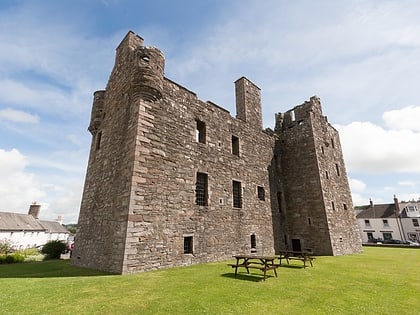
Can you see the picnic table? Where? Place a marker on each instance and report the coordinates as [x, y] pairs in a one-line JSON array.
[[296, 255], [263, 263]]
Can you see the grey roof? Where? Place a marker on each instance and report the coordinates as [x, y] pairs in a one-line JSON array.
[[25, 222], [377, 211], [19, 222], [53, 227]]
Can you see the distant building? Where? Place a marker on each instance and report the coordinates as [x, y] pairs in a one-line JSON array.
[[398, 221], [27, 230], [173, 180]]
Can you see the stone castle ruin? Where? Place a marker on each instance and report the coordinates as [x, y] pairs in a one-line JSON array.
[[173, 180]]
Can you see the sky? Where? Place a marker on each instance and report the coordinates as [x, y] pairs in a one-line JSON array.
[[362, 58]]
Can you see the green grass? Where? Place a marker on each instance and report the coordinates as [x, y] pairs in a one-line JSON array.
[[379, 281]]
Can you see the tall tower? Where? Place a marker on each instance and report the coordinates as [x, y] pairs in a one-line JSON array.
[[318, 206], [248, 102], [118, 113]]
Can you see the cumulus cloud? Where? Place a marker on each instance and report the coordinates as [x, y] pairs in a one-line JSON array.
[[372, 149], [405, 118], [18, 116]]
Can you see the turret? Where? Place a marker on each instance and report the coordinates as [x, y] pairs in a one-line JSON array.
[[97, 111], [248, 102]]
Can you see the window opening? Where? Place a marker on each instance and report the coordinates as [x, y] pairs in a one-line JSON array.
[[235, 145], [201, 132], [332, 143], [333, 205], [415, 222], [345, 206], [337, 168], [370, 236], [98, 140], [201, 189], [253, 243], [386, 224], [261, 193], [292, 115], [326, 175], [367, 223], [309, 221], [237, 194], [188, 245], [387, 235], [279, 201]]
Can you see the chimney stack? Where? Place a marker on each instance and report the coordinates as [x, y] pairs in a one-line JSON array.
[[34, 210], [397, 206]]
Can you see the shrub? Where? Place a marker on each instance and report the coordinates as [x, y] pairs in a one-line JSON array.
[[11, 258], [5, 247], [53, 249]]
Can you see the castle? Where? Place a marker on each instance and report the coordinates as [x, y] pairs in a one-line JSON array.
[[173, 180]]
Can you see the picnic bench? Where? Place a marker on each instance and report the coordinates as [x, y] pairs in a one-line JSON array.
[[263, 263], [296, 255]]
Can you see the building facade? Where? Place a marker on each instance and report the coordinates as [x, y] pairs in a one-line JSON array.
[[24, 231], [392, 221], [173, 180]]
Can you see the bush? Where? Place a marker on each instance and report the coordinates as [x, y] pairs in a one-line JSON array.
[[53, 249], [5, 247], [11, 258]]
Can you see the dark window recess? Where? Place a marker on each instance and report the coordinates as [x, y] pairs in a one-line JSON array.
[[253, 243], [237, 194], [201, 189], [309, 221], [261, 193], [201, 132], [98, 140], [279, 201], [332, 143], [345, 206], [333, 205], [188, 245], [337, 168], [235, 145], [326, 175]]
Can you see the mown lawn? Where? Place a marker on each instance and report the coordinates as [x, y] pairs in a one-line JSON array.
[[379, 281]]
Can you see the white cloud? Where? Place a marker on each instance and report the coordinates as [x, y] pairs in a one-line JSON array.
[[18, 116], [405, 118], [372, 149]]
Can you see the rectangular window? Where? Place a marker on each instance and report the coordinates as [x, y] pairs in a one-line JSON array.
[[344, 206], [333, 205], [387, 236], [370, 236], [367, 223], [415, 222], [385, 222], [201, 132], [188, 245], [261, 193], [237, 194], [235, 145], [279, 201], [253, 242], [337, 168], [98, 140], [201, 189]]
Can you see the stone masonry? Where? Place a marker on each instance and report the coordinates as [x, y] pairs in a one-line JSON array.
[[173, 180]]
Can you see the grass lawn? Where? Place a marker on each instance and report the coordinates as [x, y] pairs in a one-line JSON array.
[[379, 281]]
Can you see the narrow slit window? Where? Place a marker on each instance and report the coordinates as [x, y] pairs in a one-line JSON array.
[[201, 189], [261, 193], [98, 140], [337, 168], [279, 197], [237, 194], [253, 243], [333, 205], [235, 145], [201, 132]]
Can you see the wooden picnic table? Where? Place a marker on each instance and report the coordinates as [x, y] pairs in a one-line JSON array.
[[296, 255], [263, 263]]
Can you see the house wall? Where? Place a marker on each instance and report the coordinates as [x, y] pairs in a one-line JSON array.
[[30, 239]]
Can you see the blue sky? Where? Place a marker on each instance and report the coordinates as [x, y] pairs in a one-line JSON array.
[[362, 58]]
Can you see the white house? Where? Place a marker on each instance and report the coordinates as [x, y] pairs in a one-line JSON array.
[[26, 230], [398, 221]]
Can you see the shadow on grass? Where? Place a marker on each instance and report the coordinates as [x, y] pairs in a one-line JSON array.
[[47, 269], [254, 277]]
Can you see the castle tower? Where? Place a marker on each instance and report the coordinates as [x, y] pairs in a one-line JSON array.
[[318, 205], [136, 82]]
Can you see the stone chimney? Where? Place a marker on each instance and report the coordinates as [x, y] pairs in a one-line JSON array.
[[59, 219], [397, 206], [371, 202], [34, 210]]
